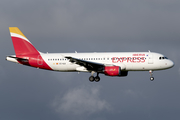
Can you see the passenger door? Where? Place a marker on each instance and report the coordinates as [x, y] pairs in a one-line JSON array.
[[150, 59]]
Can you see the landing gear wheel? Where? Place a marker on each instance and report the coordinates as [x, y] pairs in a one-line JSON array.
[[97, 79], [151, 75], [151, 78], [91, 78]]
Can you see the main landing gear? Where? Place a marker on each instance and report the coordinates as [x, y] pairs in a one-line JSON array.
[[151, 75], [92, 78]]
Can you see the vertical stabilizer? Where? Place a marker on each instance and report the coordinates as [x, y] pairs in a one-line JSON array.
[[22, 45]]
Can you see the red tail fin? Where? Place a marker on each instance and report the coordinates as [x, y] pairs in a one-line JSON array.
[[22, 45]]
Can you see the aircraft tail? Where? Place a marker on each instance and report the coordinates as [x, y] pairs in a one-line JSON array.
[[22, 45]]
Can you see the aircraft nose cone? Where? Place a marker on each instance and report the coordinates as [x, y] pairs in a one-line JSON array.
[[171, 64]]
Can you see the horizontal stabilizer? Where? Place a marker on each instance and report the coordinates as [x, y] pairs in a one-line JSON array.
[[16, 59]]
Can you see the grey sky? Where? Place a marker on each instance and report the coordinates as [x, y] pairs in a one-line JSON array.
[[90, 26]]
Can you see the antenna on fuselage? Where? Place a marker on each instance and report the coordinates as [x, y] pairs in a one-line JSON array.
[[149, 51]]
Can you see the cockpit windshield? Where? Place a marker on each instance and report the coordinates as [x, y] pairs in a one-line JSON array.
[[161, 58]]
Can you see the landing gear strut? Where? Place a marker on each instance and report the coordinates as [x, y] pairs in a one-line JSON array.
[[92, 78], [151, 75]]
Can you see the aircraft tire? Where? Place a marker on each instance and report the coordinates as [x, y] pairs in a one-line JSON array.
[[151, 78], [91, 78], [97, 79]]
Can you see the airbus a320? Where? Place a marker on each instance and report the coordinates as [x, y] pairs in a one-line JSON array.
[[108, 63]]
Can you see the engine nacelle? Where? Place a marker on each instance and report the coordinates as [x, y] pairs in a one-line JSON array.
[[114, 71]]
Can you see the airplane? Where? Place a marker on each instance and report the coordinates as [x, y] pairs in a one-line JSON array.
[[108, 63]]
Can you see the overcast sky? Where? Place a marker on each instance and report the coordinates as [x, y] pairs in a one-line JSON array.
[[90, 26]]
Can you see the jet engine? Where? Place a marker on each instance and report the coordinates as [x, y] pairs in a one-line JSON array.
[[114, 71]]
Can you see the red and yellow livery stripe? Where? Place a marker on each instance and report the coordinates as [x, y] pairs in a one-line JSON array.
[[25, 50]]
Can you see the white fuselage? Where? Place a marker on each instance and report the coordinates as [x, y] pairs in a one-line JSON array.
[[128, 61]]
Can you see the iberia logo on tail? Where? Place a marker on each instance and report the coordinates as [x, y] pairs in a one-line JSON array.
[[26, 53], [22, 45]]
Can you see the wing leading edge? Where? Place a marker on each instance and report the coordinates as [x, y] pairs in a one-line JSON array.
[[90, 66]]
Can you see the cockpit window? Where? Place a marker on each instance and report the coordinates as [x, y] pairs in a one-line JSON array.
[[160, 58]]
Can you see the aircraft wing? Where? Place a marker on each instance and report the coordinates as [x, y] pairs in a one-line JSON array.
[[91, 66]]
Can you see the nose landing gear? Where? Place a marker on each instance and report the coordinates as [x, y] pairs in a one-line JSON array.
[[151, 75]]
